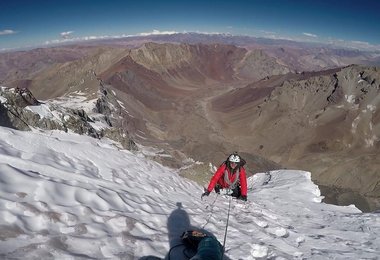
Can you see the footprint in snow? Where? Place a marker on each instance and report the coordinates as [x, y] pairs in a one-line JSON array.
[[256, 251], [278, 232], [262, 224], [300, 240]]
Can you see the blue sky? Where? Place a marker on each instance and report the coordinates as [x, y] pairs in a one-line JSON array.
[[36, 22]]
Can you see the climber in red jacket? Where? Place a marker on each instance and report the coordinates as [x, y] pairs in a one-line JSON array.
[[231, 175]]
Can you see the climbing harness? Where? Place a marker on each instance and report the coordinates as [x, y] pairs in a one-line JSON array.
[[232, 184]]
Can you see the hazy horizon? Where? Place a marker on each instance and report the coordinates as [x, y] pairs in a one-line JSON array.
[[27, 24]]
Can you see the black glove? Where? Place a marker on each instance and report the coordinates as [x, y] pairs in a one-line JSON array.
[[206, 193], [243, 198]]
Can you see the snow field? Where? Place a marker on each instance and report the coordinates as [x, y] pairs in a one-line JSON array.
[[74, 197]]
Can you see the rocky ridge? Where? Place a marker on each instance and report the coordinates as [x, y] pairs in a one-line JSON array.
[[19, 109]]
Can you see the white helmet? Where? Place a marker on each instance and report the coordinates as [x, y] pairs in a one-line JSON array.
[[234, 158]]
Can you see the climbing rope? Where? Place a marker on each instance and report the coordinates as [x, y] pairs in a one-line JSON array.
[[228, 217], [212, 205], [225, 233]]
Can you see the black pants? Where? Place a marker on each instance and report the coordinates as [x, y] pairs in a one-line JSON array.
[[236, 192]]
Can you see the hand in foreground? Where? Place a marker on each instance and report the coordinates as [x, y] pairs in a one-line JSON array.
[[206, 193]]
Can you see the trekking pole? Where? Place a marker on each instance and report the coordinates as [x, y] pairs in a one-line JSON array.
[[225, 233]]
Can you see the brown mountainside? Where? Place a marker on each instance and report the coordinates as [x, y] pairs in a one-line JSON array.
[[26, 64], [80, 75], [325, 122], [205, 100], [201, 63]]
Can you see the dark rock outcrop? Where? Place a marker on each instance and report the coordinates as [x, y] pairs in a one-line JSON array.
[[18, 111]]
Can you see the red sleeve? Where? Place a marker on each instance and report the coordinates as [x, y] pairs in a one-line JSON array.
[[216, 177], [243, 182]]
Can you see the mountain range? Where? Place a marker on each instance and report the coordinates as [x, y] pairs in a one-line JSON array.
[[281, 104]]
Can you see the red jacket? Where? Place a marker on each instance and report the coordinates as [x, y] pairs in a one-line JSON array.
[[219, 178]]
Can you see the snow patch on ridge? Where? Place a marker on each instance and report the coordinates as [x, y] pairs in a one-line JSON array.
[[371, 108], [42, 110], [350, 98]]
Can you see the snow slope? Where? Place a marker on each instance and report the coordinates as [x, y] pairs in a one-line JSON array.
[[66, 196]]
